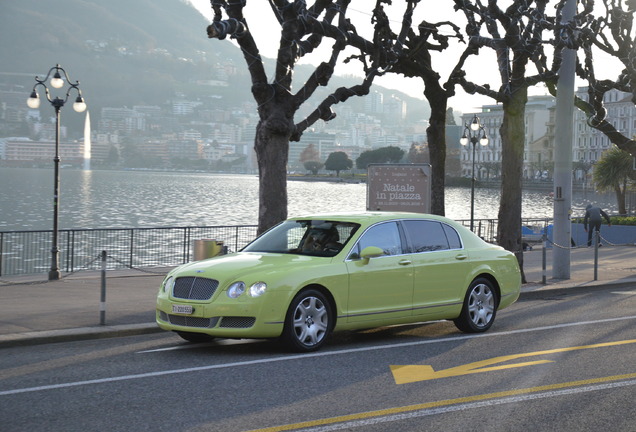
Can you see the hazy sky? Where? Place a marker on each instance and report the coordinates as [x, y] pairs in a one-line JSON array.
[[264, 27]]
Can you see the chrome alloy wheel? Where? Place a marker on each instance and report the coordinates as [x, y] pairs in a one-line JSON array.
[[310, 321], [479, 308], [481, 305]]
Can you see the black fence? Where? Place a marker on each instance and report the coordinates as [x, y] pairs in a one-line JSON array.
[[29, 252]]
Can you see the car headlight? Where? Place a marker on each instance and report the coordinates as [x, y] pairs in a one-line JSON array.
[[168, 284], [236, 289], [258, 289]]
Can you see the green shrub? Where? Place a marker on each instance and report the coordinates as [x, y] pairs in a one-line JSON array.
[[616, 220]]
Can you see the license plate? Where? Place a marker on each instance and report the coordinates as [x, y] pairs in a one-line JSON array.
[[182, 309]]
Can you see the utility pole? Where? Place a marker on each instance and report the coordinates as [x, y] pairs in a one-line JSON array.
[[562, 233]]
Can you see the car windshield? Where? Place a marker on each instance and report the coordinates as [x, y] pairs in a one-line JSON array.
[[305, 237]]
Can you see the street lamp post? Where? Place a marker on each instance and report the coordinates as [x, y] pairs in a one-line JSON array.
[[473, 133], [34, 102]]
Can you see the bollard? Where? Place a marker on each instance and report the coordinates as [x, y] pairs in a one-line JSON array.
[[102, 299], [544, 263], [597, 242]]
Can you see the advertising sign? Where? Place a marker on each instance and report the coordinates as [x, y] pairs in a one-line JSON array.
[[399, 187]]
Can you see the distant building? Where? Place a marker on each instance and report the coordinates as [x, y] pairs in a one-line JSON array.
[[215, 151], [184, 107], [394, 109], [157, 148], [488, 158], [589, 143], [374, 103], [185, 149], [123, 120], [22, 149]]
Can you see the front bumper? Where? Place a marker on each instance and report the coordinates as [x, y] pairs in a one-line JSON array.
[[247, 317]]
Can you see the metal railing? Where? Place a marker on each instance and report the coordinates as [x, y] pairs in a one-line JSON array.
[[29, 252], [487, 228]]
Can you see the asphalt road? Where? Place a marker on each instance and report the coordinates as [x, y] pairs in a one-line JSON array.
[[557, 361]]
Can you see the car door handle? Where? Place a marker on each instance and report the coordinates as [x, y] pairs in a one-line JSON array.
[[404, 262], [461, 257]]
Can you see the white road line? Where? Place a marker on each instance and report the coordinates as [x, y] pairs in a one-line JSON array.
[[465, 406], [297, 357]]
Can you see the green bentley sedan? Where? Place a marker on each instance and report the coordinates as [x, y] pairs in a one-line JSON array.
[[309, 276]]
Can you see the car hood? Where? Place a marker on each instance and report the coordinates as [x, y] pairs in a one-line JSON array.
[[243, 265]]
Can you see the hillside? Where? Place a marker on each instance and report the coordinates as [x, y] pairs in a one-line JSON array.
[[123, 52]]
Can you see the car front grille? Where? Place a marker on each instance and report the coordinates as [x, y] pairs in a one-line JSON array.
[[226, 322], [194, 288], [188, 321], [237, 322]]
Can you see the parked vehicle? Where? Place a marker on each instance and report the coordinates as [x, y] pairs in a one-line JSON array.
[[309, 276]]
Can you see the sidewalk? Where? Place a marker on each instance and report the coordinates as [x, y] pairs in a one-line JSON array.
[[34, 310]]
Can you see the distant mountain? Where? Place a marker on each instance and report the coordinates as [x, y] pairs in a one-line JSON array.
[[124, 52]]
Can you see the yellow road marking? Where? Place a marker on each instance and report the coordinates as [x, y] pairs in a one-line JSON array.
[[412, 373], [442, 403]]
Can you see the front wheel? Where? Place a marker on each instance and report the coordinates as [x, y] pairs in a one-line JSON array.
[[309, 321], [480, 307]]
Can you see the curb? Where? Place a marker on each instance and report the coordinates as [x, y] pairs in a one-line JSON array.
[[76, 334]]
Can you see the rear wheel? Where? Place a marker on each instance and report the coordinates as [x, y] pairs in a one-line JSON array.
[[309, 321], [480, 307], [195, 337]]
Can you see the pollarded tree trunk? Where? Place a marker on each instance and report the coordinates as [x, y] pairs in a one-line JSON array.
[[436, 135], [302, 30], [272, 148], [513, 134]]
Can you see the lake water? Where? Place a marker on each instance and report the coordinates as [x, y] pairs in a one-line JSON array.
[[126, 199]]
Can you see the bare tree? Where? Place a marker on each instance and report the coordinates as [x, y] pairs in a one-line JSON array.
[[606, 28], [413, 48], [303, 28], [516, 36]]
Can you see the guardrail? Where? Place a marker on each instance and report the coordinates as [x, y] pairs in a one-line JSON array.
[[29, 252]]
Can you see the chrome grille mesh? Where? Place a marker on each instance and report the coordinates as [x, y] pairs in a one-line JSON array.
[[194, 288], [188, 321], [226, 322], [237, 322]]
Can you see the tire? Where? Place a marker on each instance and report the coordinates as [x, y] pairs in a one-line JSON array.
[[308, 322], [480, 307], [195, 337]]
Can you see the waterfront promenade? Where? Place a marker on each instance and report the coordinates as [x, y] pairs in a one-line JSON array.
[[34, 310]]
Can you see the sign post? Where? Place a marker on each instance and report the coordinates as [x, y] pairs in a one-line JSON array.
[[399, 187]]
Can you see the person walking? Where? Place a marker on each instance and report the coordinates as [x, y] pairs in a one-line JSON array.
[[595, 216]]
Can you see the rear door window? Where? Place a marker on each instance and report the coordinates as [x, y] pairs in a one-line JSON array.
[[429, 236]]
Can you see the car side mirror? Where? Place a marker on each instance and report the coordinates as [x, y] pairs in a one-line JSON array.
[[371, 252]]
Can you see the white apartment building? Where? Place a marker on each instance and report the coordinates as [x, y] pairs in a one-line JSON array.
[[537, 117], [588, 144], [23, 149]]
